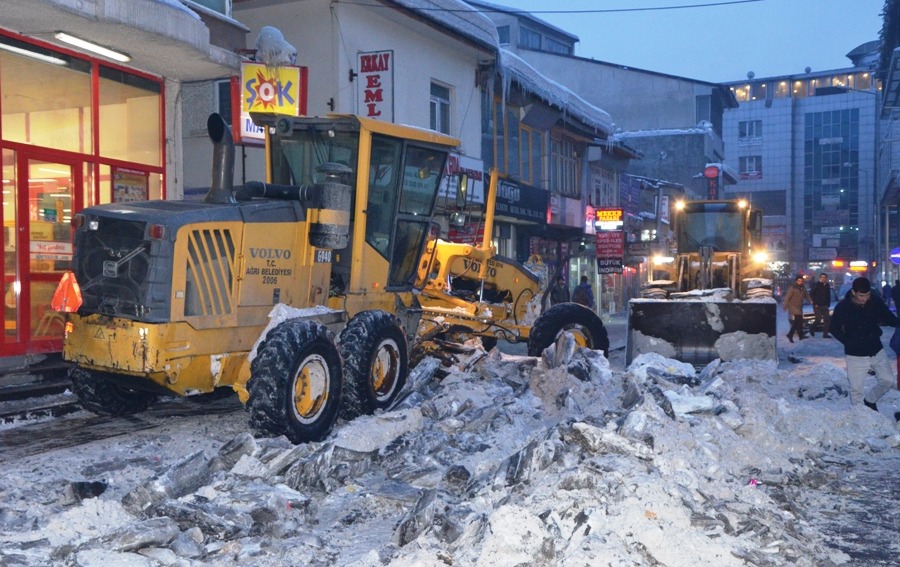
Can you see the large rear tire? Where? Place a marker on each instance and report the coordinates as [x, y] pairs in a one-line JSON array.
[[376, 362], [98, 393], [577, 319], [295, 383]]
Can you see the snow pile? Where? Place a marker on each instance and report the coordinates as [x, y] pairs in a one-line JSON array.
[[558, 460]]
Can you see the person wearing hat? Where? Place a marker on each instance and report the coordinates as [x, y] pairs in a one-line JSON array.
[[793, 304], [856, 323]]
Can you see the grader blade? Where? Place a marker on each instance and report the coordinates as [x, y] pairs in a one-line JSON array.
[[698, 332]]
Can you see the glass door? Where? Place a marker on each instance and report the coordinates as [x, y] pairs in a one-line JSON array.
[[37, 244]]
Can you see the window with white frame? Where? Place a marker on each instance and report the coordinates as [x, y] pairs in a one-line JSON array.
[[440, 108], [750, 167], [750, 129]]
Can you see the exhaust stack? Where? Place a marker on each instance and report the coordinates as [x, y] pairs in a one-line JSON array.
[[221, 189]]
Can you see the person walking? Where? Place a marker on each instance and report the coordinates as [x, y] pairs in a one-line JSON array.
[[821, 300], [584, 294], [895, 295], [793, 304], [856, 323], [887, 294], [560, 293]]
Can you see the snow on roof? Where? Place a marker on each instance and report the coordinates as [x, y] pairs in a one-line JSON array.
[[457, 16], [702, 128], [514, 68]]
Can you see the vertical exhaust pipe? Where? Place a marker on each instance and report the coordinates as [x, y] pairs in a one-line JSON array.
[[221, 189]]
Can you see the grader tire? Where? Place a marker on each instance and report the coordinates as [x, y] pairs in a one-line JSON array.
[[577, 319], [376, 362], [295, 383], [99, 394]]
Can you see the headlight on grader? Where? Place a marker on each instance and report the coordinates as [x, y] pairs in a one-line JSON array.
[[761, 257]]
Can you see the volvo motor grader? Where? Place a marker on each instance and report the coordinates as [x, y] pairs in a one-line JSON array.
[[181, 298], [712, 302]]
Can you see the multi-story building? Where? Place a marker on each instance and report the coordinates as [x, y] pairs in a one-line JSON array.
[[805, 149], [671, 126]]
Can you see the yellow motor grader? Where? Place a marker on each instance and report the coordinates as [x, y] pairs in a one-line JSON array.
[[298, 292], [469, 290]]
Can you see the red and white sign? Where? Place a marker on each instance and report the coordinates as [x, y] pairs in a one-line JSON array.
[[610, 244], [375, 85], [711, 172]]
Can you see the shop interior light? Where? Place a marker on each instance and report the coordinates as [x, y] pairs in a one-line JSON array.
[[92, 47], [32, 54]]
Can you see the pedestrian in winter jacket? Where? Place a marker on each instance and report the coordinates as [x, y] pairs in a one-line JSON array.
[[856, 323], [821, 300], [793, 304], [560, 293], [895, 295], [584, 293]]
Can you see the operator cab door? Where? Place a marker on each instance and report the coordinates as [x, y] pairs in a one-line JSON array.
[[38, 198], [403, 185]]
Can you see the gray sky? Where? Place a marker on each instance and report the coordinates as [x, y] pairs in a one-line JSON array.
[[716, 43]]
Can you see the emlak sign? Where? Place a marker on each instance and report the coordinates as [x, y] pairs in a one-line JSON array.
[[375, 85]]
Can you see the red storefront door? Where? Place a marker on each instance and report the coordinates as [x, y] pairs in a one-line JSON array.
[[37, 245]]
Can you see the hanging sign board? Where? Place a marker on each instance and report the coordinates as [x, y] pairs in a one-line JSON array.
[[375, 85]]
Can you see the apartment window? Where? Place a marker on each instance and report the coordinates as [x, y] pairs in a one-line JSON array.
[[519, 148], [503, 33], [554, 46], [751, 167], [529, 39], [563, 167], [531, 145], [750, 129], [440, 108]]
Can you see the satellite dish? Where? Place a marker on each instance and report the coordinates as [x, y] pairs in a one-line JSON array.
[[808, 69], [750, 75]]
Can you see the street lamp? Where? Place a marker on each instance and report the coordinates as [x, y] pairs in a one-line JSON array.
[[873, 231]]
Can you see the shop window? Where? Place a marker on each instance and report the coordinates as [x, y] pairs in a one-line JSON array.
[[782, 89], [46, 98], [130, 122], [758, 91]]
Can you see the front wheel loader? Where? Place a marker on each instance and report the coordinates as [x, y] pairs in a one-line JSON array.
[[713, 304]]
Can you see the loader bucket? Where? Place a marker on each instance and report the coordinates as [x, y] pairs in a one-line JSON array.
[[698, 332]]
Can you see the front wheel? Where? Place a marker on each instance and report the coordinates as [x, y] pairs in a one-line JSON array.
[[99, 393], [581, 322], [295, 382], [376, 362]]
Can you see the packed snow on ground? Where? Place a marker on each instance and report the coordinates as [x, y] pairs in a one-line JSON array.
[[518, 461]]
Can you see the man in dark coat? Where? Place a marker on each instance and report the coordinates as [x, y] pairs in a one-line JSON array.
[[560, 292], [856, 323], [895, 295], [821, 300]]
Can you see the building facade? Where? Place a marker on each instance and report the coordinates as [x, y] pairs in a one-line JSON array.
[[78, 128], [805, 148]]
